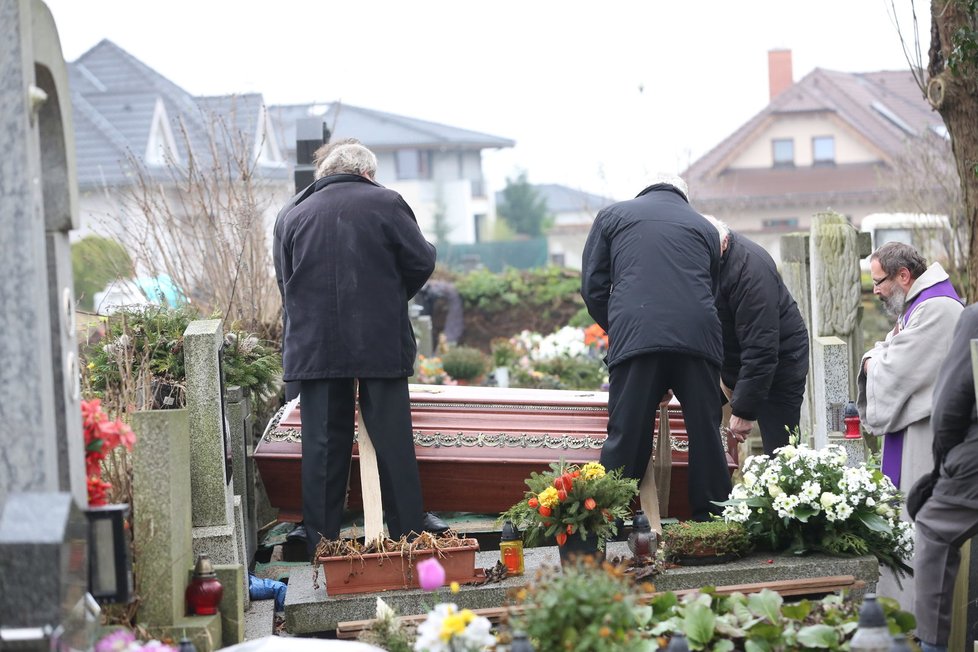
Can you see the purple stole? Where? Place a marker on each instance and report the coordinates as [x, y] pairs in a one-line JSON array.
[[893, 444]]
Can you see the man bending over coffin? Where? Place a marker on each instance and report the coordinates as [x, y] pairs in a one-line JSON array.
[[765, 342], [650, 273]]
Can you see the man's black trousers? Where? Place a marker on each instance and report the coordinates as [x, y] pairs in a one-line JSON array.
[[327, 447], [636, 386], [781, 411]]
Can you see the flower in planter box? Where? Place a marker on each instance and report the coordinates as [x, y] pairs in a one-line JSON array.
[[810, 500], [431, 574], [571, 500], [449, 629], [101, 436]]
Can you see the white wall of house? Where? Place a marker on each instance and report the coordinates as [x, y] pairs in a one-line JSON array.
[[849, 147], [456, 183]]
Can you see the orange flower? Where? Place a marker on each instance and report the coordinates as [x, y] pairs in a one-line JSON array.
[[561, 495], [545, 511], [594, 335], [570, 528], [589, 503], [561, 538], [604, 632], [533, 502]]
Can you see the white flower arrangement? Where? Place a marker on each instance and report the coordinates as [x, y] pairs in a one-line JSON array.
[[810, 500], [567, 342], [449, 629]]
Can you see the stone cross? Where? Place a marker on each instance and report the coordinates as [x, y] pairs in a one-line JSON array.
[[43, 542], [41, 446]]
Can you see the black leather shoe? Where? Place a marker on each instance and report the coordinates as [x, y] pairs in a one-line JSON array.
[[298, 534], [432, 523]]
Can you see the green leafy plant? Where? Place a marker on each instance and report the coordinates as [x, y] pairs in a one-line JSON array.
[[584, 608], [464, 363], [711, 538], [571, 500], [143, 350], [803, 500], [763, 621]]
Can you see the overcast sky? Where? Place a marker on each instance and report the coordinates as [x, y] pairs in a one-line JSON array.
[[597, 95]]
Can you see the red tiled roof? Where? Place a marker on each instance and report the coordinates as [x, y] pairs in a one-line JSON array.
[[885, 108]]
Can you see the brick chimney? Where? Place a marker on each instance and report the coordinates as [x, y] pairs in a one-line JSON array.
[[779, 71]]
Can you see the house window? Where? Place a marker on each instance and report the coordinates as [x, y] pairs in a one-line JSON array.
[[784, 152], [780, 224], [823, 150], [479, 222], [413, 164]]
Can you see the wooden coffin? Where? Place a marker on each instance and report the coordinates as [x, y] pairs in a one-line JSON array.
[[476, 446]]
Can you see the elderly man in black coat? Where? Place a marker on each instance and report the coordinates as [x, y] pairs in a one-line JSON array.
[[949, 515], [765, 342], [649, 278], [352, 256]]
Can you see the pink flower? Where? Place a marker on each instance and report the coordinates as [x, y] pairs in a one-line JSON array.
[[117, 641], [431, 575]]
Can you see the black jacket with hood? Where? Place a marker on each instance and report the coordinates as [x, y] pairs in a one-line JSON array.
[[649, 275], [764, 335], [351, 256]]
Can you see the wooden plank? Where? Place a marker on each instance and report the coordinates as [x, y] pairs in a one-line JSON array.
[[351, 628]]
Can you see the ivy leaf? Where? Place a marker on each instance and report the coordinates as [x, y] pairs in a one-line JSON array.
[[797, 611], [874, 522], [699, 624], [818, 636], [766, 603], [752, 645], [905, 621], [803, 513], [726, 645]]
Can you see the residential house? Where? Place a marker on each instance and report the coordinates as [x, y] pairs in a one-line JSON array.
[[828, 141], [132, 122], [436, 168], [572, 212], [124, 112]]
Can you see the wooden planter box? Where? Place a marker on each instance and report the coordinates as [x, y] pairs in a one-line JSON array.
[[476, 446], [377, 571]]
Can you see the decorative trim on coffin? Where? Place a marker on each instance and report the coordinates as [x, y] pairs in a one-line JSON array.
[[481, 439]]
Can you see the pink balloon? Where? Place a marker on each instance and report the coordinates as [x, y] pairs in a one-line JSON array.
[[431, 574]]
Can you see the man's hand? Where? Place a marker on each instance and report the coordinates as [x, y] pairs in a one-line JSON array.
[[740, 428], [666, 398]]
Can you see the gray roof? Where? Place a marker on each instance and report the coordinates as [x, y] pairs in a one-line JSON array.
[[563, 199], [114, 97], [378, 130]]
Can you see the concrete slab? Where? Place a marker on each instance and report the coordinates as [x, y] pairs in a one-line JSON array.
[[259, 619], [310, 610]]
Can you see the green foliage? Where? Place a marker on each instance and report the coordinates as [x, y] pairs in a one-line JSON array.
[[144, 346], [575, 372], [464, 363], [964, 42], [537, 288], [584, 608], [94, 262], [763, 621], [523, 208], [693, 539]]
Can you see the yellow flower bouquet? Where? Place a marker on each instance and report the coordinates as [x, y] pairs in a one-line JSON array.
[[572, 499]]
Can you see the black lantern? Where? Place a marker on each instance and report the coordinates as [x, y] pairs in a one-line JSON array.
[[109, 570], [642, 542]]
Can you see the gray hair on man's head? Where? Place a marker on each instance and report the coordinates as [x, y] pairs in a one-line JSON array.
[[348, 157], [893, 256], [721, 227], [673, 180]]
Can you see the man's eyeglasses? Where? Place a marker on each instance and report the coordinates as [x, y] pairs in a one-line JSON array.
[[879, 282]]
